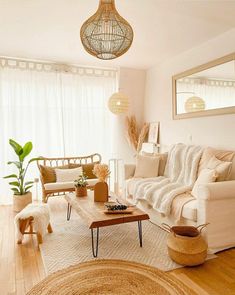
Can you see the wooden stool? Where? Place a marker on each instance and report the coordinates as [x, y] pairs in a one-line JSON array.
[[28, 223]]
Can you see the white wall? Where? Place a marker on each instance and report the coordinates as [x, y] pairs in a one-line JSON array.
[[132, 83], [217, 131]]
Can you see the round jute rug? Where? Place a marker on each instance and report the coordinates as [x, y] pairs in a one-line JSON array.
[[114, 277]]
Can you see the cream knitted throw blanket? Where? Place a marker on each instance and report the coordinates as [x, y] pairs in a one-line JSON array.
[[40, 213], [179, 177]]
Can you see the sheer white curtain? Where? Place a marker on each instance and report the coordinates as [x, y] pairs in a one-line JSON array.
[[63, 114]]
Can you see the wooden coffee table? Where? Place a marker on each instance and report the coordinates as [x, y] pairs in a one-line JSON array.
[[92, 213]]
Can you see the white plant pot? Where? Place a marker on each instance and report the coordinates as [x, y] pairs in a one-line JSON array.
[[21, 201]]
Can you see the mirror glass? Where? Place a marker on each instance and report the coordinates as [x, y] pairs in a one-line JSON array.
[[210, 89]]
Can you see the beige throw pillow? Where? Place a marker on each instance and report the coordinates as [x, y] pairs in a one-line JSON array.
[[206, 176], [67, 175], [146, 166], [222, 155], [162, 162], [48, 173], [222, 168]]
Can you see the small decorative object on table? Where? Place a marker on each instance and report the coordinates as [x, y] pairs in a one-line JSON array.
[[186, 246], [117, 208], [80, 186], [102, 172]]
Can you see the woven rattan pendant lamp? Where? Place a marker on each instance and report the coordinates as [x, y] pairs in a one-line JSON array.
[[106, 34], [118, 103], [194, 104]]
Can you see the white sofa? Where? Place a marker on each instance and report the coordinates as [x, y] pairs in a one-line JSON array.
[[214, 204]]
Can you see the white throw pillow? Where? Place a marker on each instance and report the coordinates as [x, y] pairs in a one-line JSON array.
[[66, 175], [205, 176], [222, 168], [146, 166]]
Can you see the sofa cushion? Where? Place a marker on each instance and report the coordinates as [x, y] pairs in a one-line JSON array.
[[66, 175], [87, 168], [162, 163], [189, 210], [146, 166], [222, 168], [206, 176], [131, 184], [227, 156], [66, 185], [48, 173]]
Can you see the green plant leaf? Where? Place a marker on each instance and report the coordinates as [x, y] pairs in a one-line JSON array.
[[28, 182], [18, 165], [26, 150], [17, 147], [15, 190], [34, 159], [15, 183], [27, 188], [11, 176]]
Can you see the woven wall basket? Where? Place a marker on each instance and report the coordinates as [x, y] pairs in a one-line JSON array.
[[186, 246]]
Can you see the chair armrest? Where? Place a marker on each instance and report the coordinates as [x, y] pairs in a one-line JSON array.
[[216, 190], [129, 170]]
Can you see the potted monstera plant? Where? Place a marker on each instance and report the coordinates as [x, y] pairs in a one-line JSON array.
[[20, 187]]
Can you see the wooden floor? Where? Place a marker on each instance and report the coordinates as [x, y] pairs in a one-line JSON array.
[[21, 266]]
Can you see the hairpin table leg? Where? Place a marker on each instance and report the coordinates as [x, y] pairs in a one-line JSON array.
[[69, 208], [140, 232], [95, 248]]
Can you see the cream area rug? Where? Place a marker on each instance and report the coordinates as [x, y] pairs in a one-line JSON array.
[[70, 242], [114, 277]]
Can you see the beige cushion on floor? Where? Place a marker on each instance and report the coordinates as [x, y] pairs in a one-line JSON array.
[[66, 185], [146, 166], [66, 175], [189, 210], [206, 176], [227, 156], [222, 168]]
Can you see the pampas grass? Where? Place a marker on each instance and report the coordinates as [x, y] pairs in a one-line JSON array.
[[101, 171], [132, 131], [134, 138], [143, 133]]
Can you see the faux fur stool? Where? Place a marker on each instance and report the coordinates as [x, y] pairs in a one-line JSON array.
[[36, 217]]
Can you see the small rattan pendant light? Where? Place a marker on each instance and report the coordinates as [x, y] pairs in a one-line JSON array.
[[194, 104], [106, 34], [118, 103]]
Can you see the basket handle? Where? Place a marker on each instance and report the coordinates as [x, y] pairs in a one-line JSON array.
[[166, 227], [201, 226]]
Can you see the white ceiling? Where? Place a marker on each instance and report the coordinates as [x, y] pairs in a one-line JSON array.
[[49, 29]]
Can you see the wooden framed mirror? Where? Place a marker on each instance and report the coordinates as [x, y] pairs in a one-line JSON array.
[[206, 90]]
